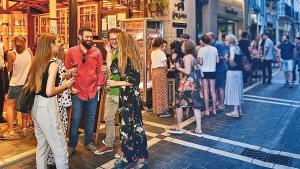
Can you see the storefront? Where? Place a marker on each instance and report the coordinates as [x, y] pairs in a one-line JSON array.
[[230, 18]]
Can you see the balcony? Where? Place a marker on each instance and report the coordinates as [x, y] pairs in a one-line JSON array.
[[285, 11], [255, 6], [297, 17]]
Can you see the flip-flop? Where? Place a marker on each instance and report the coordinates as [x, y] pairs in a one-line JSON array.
[[175, 131], [10, 136], [194, 132], [231, 114]]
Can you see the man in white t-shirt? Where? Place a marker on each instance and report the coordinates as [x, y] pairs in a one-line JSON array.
[[208, 56]]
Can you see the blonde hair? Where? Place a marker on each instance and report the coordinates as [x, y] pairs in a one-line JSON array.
[[231, 39], [42, 57], [128, 51]]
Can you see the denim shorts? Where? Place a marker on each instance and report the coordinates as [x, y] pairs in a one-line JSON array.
[[14, 92], [287, 65], [221, 79]]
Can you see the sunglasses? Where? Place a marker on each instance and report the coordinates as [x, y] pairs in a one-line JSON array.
[[83, 57], [113, 39]]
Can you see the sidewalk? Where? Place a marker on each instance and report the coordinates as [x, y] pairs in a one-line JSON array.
[[266, 136]]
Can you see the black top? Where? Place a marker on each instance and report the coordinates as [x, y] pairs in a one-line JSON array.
[[287, 50], [244, 46], [45, 79], [238, 61]]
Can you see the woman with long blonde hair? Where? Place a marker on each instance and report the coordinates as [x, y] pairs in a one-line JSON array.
[[43, 79], [133, 137], [64, 98]]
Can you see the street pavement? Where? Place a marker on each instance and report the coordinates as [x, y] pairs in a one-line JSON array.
[[267, 135]]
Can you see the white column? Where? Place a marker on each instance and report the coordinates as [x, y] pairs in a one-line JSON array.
[[53, 18]]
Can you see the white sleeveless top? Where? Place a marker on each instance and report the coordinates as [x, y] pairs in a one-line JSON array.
[[21, 67]]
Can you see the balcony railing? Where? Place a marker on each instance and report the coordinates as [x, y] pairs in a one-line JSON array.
[[284, 10], [297, 17]]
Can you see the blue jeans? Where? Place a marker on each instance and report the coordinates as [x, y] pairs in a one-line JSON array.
[[89, 108]]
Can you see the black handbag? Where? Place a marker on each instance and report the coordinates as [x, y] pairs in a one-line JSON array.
[[25, 101]]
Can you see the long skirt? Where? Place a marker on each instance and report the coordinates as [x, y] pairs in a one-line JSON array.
[[234, 88], [159, 90]]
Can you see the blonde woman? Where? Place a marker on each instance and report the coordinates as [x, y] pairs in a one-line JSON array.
[[133, 137], [64, 98], [19, 62], [43, 79], [234, 77]]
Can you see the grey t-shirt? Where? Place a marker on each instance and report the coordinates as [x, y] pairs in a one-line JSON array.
[[297, 52], [268, 50]]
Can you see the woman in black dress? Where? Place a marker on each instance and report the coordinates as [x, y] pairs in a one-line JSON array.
[[133, 137]]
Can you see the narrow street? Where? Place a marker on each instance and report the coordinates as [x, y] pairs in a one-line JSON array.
[[266, 136]]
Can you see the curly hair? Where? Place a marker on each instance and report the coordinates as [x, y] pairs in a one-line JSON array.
[[189, 48]]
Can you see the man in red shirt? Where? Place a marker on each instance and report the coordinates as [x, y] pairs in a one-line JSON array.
[[88, 61]]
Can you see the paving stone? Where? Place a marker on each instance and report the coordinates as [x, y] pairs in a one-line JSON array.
[[162, 165], [224, 146]]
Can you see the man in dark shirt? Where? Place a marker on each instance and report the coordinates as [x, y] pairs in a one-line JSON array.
[[244, 45], [285, 50], [296, 58]]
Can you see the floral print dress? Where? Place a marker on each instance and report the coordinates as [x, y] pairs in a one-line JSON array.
[[188, 93], [133, 137]]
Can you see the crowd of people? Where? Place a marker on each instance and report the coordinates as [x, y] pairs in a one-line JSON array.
[[208, 77]]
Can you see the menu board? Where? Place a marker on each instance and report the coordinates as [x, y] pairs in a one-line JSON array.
[[111, 21]]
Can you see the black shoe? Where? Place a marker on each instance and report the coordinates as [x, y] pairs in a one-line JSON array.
[[165, 114], [269, 82], [2, 119]]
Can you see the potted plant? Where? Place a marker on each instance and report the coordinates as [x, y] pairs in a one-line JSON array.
[[163, 4], [158, 5], [153, 7]]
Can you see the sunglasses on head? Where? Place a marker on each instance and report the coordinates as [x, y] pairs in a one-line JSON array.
[[83, 57]]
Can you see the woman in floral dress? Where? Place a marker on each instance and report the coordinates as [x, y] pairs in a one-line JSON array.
[[133, 137], [188, 93]]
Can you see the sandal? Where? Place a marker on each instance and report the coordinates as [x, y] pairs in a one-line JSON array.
[[141, 165], [195, 132], [174, 130], [121, 163], [206, 113], [233, 114], [10, 135]]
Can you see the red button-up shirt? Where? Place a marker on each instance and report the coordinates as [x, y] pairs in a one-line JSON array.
[[89, 74]]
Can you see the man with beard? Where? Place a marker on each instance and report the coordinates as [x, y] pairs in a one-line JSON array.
[[286, 49], [112, 97], [88, 61]]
